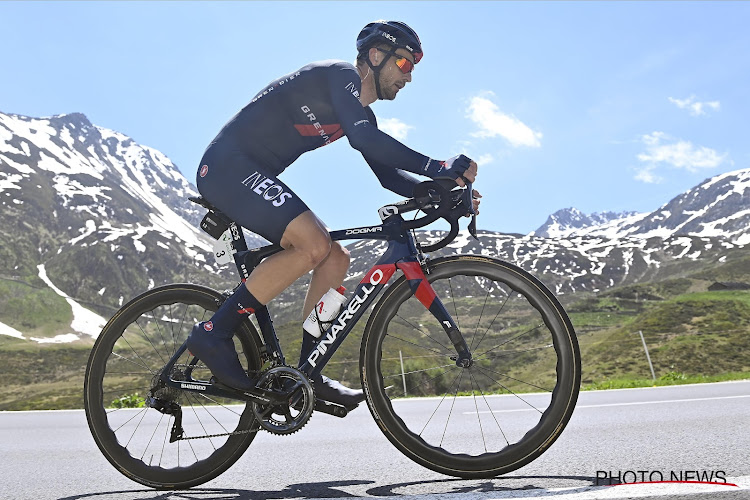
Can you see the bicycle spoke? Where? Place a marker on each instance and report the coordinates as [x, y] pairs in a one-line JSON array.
[[438, 406], [484, 397], [511, 392], [517, 351], [453, 365], [210, 414], [455, 396], [515, 379], [418, 371], [511, 340], [136, 427], [152, 437], [164, 444], [425, 334], [143, 364], [476, 406], [131, 418], [157, 320], [502, 306], [481, 313]]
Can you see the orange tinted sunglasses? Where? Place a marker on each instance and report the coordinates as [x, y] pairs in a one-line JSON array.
[[404, 64]]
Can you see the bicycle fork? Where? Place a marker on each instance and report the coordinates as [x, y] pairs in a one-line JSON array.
[[424, 292]]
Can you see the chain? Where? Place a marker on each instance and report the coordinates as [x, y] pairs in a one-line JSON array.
[[235, 433]]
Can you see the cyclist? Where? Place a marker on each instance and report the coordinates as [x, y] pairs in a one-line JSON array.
[[299, 112]]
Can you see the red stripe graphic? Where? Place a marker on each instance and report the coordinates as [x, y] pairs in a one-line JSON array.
[[413, 271], [310, 130]]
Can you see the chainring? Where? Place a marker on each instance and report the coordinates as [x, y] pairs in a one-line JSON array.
[[292, 415]]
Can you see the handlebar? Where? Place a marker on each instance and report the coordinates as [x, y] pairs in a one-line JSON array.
[[436, 199]]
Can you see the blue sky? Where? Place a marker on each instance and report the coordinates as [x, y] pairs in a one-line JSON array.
[[594, 105]]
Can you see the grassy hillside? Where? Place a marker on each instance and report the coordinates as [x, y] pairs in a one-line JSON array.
[[689, 331]]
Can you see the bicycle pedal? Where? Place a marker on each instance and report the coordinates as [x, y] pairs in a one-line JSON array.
[[332, 408]]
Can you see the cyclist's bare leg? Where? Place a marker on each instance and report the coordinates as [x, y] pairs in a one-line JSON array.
[[329, 274], [306, 245]]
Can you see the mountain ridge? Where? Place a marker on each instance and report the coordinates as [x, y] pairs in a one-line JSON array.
[[91, 213]]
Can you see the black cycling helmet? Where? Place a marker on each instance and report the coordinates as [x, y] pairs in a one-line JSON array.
[[394, 33]]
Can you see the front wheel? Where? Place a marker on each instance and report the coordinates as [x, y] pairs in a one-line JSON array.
[[504, 410], [125, 364]]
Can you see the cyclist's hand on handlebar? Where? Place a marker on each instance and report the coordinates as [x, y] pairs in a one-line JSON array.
[[470, 174], [457, 167], [475, 200]]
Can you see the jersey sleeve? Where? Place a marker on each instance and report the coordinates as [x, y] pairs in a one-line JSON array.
[[376, 146], [393, 179]]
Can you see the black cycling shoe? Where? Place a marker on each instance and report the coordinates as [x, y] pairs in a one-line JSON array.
[[334, 392], [218, 353]]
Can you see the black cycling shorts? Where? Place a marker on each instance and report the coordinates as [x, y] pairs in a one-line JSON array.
[[247, 193]]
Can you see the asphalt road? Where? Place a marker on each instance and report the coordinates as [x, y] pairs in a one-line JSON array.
[[703, 428]]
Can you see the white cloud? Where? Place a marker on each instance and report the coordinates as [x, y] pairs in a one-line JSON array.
[[695, 107], [485, 159], [646, 174], [492, 123], [662, 149], [394, 127]]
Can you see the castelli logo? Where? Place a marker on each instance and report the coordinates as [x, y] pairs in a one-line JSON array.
[[208, 326], [204, 170]]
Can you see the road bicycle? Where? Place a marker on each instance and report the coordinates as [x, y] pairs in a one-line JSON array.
[[470, 365]]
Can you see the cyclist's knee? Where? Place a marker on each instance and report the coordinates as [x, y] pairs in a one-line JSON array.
[[309, 237], [316, 249], [340, 255]]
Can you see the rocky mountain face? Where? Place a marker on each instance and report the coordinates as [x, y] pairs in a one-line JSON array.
[[91, 218], [89, 211], [571, 220], [719, 207]]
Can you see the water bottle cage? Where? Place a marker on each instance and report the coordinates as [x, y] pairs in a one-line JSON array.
[[323, 326]]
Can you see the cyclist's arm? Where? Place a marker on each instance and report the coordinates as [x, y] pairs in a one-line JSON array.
[[393, 179], [364, 136]]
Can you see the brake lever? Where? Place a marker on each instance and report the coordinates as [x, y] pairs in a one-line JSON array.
[[469, 199]]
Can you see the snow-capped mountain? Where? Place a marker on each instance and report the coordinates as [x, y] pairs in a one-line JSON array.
[[569, 221], [92, 213], [89, 219], [718, 207]]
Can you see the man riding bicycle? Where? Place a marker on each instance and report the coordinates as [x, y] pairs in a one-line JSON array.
[[299, 112]]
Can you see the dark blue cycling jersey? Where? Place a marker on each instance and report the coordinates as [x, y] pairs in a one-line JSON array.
[[296, 113], [312, 107]]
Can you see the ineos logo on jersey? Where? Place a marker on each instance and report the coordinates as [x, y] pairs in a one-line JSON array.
[[267, 188], [353, 89], [204, 170]]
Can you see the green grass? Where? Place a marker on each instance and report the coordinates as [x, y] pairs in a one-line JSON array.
[[671, 378]]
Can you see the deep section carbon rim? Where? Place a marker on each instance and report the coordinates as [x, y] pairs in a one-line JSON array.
[[125, 362], [504, 410]]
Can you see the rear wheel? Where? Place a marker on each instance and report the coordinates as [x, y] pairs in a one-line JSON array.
[[504, 410], [124, 365]]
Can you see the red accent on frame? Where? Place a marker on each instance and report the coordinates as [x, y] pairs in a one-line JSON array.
[[413, 271], [386, 269]]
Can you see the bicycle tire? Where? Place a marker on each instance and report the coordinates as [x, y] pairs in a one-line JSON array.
[[131, 349], [549, 360]]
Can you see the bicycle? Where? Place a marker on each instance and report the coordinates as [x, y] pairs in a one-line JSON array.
[[515, 360]]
